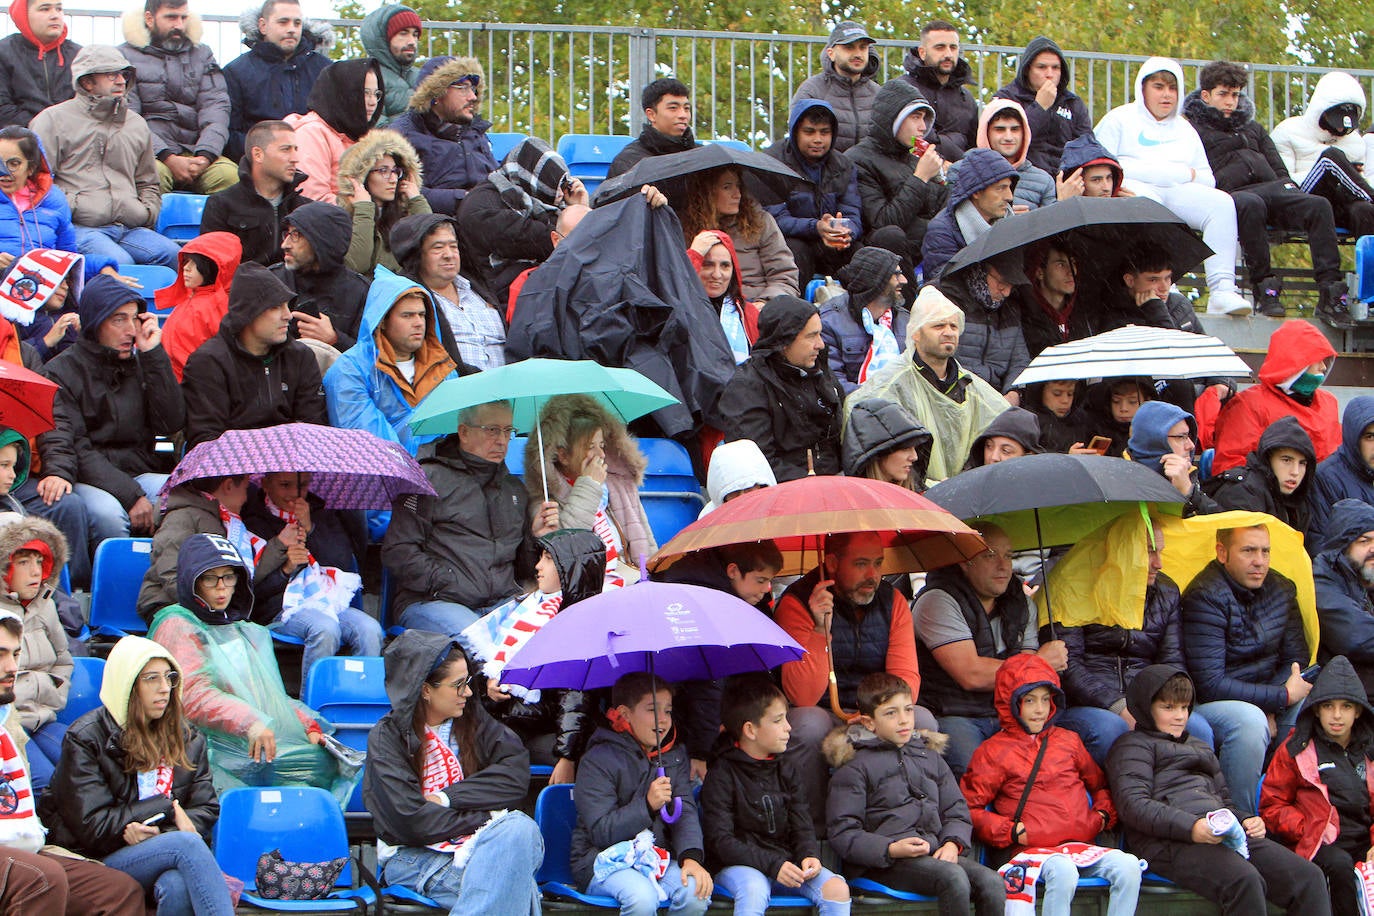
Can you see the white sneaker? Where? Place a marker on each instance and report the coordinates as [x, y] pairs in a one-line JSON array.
[[1228, 302]]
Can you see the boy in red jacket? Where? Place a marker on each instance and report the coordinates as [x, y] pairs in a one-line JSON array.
[[1066, 801]]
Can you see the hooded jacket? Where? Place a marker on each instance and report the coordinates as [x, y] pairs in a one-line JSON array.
[[102, 152], [1057, 434], [1294, 800], [1099, 420], [369, 245], [1161, 784], [32, 77], [579, 500], [334, 121], [889, 191], [45, 662], [650, 142], [1149, 443], [876, 428], [1082, 152], [1254, 486], [991, 345], [239, 209], [391, 786], [956, 112], [91, 798], [1344, 474], [397, 80], [112, 410], [944, 238], [828, 187], [22, 462], [1345, 604], [734, 466], [1069, 801], [793, 414], [1035, 187], [1292, 348], [197, 313], [1157, 153], [470, 543], [364, 394], [328, 288], [754, 813], [181, 94], [1238, 148], [47, 223], [265, 83], [851, 100], [1066, 119], [227, 387], [748, 311], [337, 538], [1301, 139], [1015, 423], [455, 156], [880, 792]]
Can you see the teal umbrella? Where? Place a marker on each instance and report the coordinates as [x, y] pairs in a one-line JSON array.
[[529, 384]]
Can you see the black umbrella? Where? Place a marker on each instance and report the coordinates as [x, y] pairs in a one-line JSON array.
[[769, 181], [1098, 231], [1051, 500]]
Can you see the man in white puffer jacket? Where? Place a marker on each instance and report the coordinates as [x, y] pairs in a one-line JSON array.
[[1163, 159]]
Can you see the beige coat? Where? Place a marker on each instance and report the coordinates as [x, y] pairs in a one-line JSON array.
[[45, 664]]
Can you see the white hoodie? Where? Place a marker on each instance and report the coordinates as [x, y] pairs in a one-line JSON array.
[[1301, 139], [1152, 152]]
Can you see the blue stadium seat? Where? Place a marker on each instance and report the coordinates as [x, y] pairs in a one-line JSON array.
[[501, 144], [867, 886], [151, 277], [668, 513], [179, 218], [556, 816], [305, 823], [734, 144], [116, 576], [670, 494], [349, 691], [1364, 268], [589, 156], [774, 902], [83, 694], [515, 456], [408, 897], [813, 287]]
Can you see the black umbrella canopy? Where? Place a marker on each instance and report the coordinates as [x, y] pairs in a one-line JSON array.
[[769, 181], [1098, 231]]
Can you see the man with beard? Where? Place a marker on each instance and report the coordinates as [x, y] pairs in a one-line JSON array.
[[865, 327], [273, 78], [443, 126], [667, 127], [181, 93], [1344, 576], [935, 67], [848, 65], [391, 36], [329, 296]]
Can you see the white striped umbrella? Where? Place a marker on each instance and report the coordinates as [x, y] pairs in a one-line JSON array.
[[1135, 351]]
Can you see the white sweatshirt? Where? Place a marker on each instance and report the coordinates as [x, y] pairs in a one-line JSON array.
[[1152, 152]]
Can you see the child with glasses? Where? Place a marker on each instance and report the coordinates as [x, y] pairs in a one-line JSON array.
[[134, 785]]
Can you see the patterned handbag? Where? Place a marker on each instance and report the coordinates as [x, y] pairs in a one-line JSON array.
[[278, 879]]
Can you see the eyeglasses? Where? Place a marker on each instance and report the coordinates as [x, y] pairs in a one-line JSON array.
[[458, 685], [210, 579], [393, 171], [373, 94], [498, 432], [1181, 437], [464, 85], [291, 233], [171, 677]]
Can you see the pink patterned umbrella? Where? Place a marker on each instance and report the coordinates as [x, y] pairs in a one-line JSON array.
[[349, 468]]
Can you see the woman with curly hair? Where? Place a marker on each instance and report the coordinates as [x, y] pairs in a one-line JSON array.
[[718, 199], [379, 183]]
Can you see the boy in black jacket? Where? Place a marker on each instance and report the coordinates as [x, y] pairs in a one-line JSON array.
[[754, 812]]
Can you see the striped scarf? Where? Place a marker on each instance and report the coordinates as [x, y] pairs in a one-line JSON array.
[[1020, 875], [442, 769], [19, 824], [248, 544]]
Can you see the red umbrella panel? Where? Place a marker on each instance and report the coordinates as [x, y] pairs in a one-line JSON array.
[[25, 400]]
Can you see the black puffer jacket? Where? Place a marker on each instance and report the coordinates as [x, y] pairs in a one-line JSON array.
[[1103, 660], [580, 558], [226, 387], [257, 222], [329, 287], [1161, 784], [891, 193], [391, 787], [650, 142], [1041, 329], [1066, 119], [1254, 486], [790, 412], [1238, 148], [111, 410], [28, 83], [754, 813], [956, 112], [991, 345]]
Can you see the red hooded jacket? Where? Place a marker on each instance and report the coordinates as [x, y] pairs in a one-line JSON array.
[[1292, 348], [1058, 810], [196, 313], [749, 311]]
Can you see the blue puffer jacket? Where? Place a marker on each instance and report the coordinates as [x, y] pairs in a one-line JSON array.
[[46, 224], [1344, 603], [846, 341], [265, 85], [1241, 643], [1343, 475], [830, 187], [361, 396]]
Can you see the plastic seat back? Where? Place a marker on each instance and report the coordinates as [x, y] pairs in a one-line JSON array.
[[152, 277], [116, 577], [502, 144], [1364, 267], [349, 691], [180, 216], [304, 822], [83, 693]]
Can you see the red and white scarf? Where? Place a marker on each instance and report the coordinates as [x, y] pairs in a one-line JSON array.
[[883, 346], [248, 544], [325, 589], [19, 827], [1364, 881], [1020, 875], [604, 528], [442, 769]]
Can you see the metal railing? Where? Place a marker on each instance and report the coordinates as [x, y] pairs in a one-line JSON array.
[[549, 80]]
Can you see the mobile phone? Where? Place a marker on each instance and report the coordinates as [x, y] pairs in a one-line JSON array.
[[1310, 674], [154, 819], [1100, 444]]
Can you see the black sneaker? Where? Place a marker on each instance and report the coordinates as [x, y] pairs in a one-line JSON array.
[[1267, 301], [1333, 306]]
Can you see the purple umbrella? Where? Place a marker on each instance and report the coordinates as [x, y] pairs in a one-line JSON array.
[[348, 468]]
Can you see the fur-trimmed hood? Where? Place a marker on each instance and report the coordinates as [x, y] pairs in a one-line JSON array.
[[137, 34], [623, 456], [435, 81], [316, 34], [838, 747], [29, 528], [359, 158]]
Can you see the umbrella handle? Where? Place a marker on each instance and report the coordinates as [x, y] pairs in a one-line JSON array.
[[839, 711], [670, 816]]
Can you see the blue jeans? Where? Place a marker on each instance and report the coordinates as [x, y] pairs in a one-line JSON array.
[[502, 862], [637, 893], [751, 890], [447, 617], [105, 517], [1099, 728], [125, 246], [69, 515], [1242, 735], [324, 634], [45, 747], [965, 734], [180, 870], [1059, 877]]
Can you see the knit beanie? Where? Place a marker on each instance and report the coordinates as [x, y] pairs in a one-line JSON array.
[[406, 18]]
